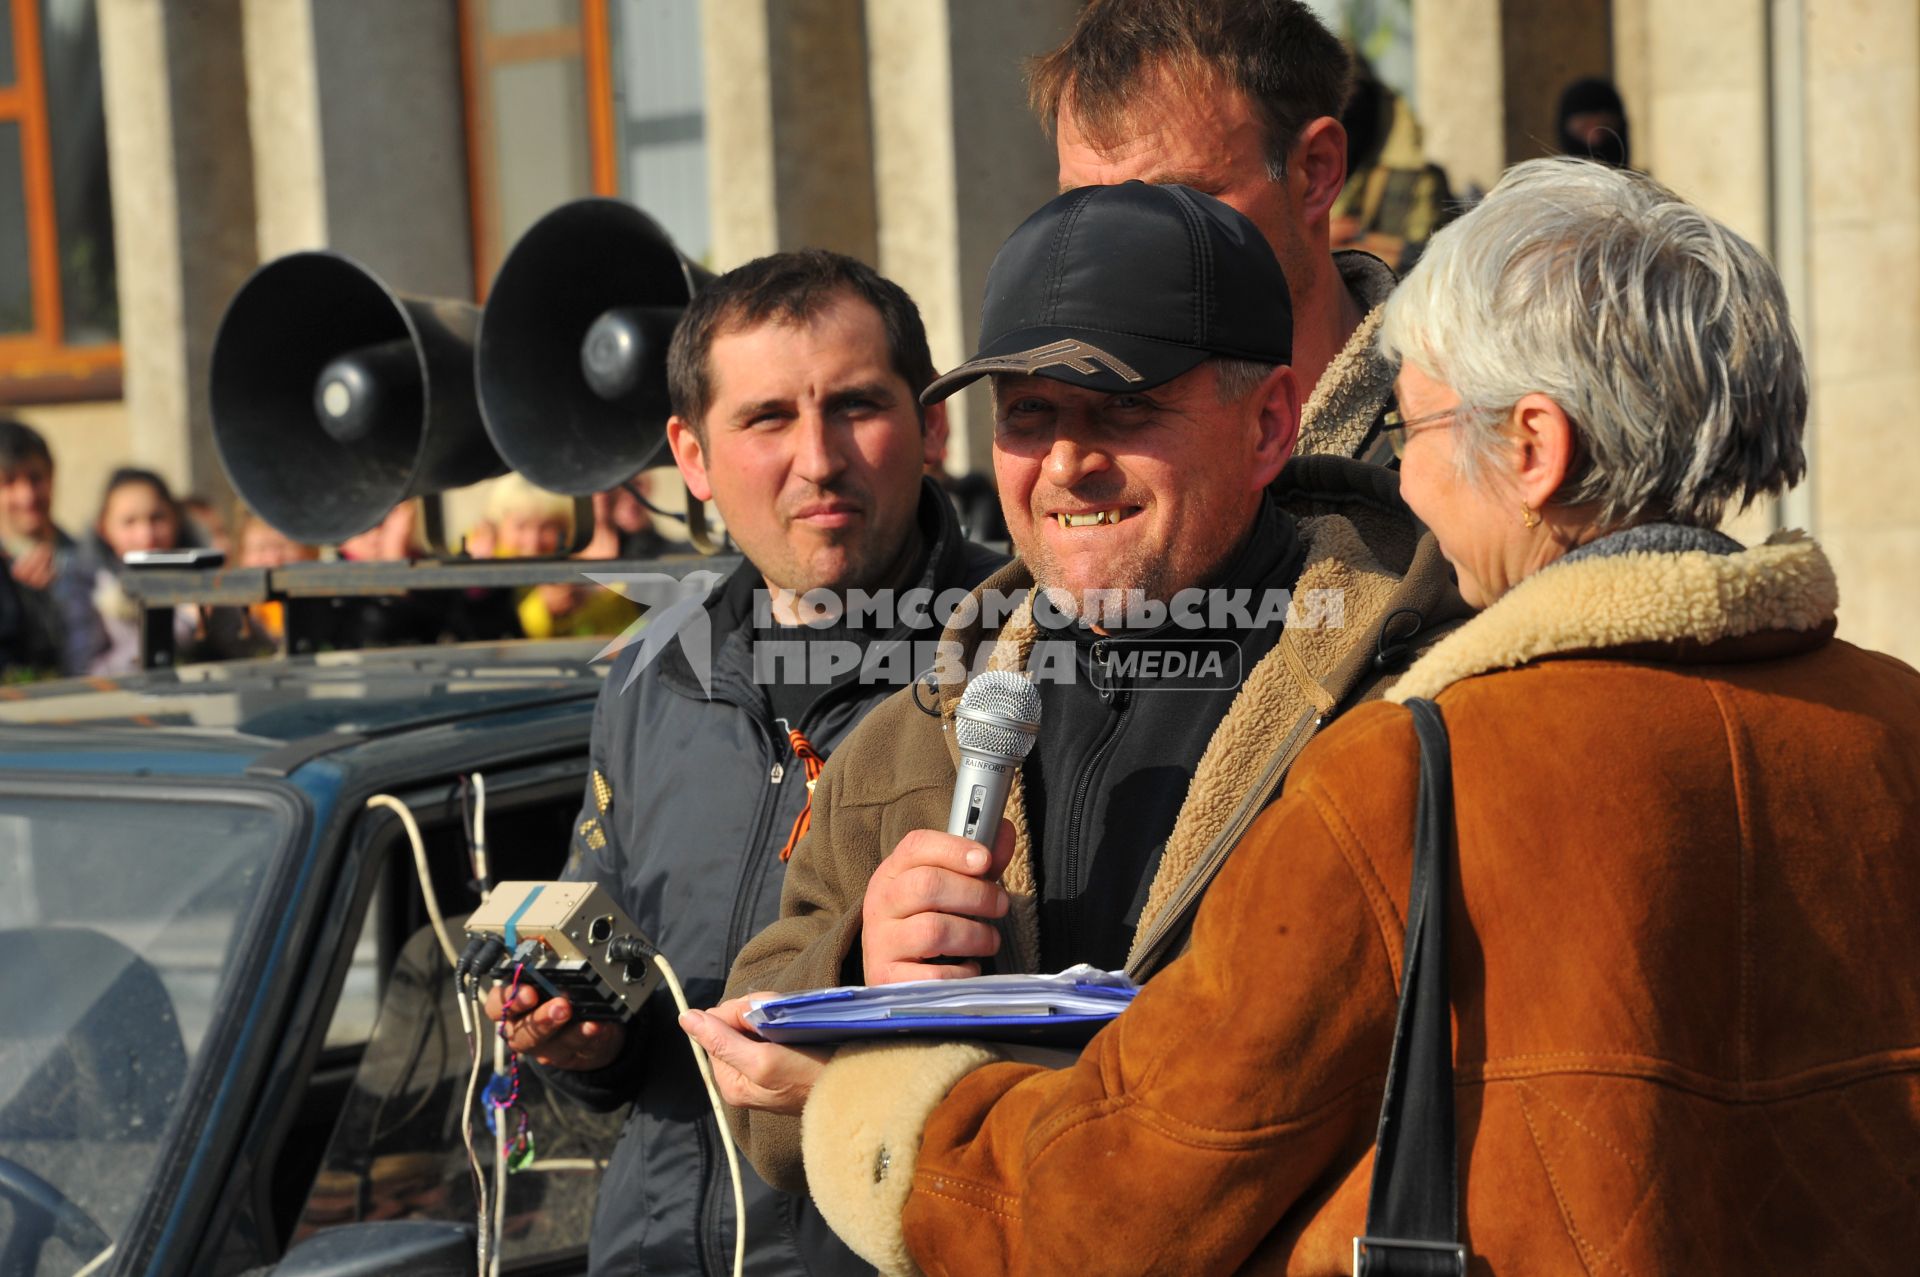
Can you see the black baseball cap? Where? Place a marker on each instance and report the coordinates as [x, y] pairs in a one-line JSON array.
[[1120, 288]]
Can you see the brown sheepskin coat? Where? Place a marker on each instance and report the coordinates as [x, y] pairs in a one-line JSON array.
[[1685, 977]]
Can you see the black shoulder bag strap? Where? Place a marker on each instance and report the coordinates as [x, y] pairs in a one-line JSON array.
[[1413, 1209]]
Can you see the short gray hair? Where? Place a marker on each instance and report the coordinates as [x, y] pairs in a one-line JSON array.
[[1661, 334], [1235, 379]]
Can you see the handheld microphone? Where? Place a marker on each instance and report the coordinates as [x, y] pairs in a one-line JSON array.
[[995, 725]]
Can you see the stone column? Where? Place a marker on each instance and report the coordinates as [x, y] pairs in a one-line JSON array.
[[1862, 78], [1698, 106], [175, 97], [1699, 100], [959, 163], [788, 125], [1488, 76], [359, 139], [1460, 89]]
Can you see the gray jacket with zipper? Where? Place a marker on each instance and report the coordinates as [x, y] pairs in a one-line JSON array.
[[688, 805], [1372, 592]]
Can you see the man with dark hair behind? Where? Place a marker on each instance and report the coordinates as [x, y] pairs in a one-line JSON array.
[[1241, 101], [59, 631], [1592, 122], [795, 384]]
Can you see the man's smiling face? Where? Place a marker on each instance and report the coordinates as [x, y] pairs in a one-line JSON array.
[[1149, 491]]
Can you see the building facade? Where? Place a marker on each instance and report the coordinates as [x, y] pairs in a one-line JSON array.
[[167, 147]]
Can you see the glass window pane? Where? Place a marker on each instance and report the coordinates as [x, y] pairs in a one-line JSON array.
[[119, 922], [540, 140], [507, 16], [395, 1151], [352, 1021], [7, 74], [16, 275], [659, 109], [83, 208]]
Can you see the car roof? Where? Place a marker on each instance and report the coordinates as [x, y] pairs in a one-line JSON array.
[[220, 718]]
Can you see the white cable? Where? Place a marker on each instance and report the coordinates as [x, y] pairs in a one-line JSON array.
[[473, 1158], [420, 866], [559, 1165], [95, 1264], [500, 1146], [480, 830], [720, 1115], [466, 1015], [497, 1227]]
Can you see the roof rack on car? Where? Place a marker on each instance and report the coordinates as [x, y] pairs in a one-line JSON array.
[[309, 590]]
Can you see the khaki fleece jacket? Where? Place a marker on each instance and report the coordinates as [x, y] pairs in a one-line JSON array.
[[1685, 918], [895, 773], [1356, 390]]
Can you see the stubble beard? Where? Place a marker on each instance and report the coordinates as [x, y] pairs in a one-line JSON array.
[[1136, 573], [1142, 572]]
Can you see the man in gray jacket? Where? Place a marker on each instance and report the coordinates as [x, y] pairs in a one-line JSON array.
[[795, 383]]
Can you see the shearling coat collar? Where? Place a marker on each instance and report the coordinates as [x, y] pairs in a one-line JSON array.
[[1356, 387], [1680, 602]]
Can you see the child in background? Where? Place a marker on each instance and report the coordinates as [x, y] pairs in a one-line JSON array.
[[207, 522], [528, 522], [264, 546], [59, 631], [137, 512]]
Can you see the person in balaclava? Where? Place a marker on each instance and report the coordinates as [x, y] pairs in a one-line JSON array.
[[1593, 122]]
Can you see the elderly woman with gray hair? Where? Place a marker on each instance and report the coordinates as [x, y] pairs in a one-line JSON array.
[[1685, 907]]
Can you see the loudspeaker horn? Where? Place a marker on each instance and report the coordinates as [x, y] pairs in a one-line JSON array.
[[335, 398], [572, 362]]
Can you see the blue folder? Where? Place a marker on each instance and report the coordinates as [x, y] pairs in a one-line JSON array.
[[1058, 1010]]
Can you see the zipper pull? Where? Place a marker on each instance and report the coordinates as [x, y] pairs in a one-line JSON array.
[[778, 772], [1103, 661]]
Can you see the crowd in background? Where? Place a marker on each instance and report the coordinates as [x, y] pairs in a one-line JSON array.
[[66, 608], [1395, 198]]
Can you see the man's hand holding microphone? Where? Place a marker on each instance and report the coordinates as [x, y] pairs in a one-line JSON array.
[[935, 896]]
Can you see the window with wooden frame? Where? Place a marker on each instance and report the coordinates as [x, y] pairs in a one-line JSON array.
[[59, 309], [539, 124], [567, 98]]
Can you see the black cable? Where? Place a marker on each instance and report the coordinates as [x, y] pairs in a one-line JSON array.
[[632, 486], [926, 681]]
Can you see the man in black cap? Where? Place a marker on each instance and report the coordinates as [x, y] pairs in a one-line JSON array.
[[1138, 341]]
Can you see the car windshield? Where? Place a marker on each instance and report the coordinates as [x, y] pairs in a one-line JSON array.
[[118, 922]]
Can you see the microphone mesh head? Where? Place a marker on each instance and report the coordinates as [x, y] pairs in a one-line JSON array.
[[998, 715]]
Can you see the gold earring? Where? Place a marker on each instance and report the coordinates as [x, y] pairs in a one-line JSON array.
[[1528, 519]]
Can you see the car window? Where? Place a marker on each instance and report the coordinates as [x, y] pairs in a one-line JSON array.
[[118, 921], [396, 1151], [352, 1021]]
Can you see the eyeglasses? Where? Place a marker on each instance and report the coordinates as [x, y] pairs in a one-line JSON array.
[[1398, 429]]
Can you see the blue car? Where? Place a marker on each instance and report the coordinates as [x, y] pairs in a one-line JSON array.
[[228, 1037]]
